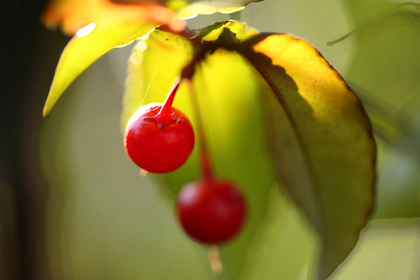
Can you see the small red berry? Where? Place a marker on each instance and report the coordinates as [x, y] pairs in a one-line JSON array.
[[159, 141], [211, 211]]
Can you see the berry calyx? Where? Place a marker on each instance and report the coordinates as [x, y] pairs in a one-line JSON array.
[[159, 138], [211, 211]]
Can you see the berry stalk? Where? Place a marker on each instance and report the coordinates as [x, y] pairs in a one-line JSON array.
[[206, 168], [166, 110]]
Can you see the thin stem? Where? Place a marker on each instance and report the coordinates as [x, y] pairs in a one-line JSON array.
[[166, 110], [213, 254], [206, 167]]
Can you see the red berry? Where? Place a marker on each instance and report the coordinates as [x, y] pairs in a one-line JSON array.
[[158, 141], [211, 211]]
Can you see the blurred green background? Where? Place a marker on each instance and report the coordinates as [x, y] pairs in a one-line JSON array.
[[73, 206]]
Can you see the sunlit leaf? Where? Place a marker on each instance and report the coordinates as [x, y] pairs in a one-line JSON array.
[[89, 44], [321, 141]]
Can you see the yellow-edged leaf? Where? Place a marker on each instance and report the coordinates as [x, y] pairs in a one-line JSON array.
[[321, 141]]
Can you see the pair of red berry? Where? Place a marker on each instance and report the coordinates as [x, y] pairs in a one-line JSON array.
[[159, 139]]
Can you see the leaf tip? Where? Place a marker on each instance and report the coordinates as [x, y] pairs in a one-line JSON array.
[[46, 110], [49, 104]]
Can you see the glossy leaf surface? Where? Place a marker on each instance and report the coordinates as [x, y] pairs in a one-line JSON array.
[[321, 141]]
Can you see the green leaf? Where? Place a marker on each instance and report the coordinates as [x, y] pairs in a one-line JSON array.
[[207, 7], [321, 141], [84, 49]]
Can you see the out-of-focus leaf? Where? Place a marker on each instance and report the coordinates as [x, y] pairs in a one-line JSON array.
[[321, 141], [88, 45], [71, 15], [206, 7], [229, 99]]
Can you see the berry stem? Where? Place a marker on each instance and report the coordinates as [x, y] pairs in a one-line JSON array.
[[206, 167], [166, 110], [213, 254]]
